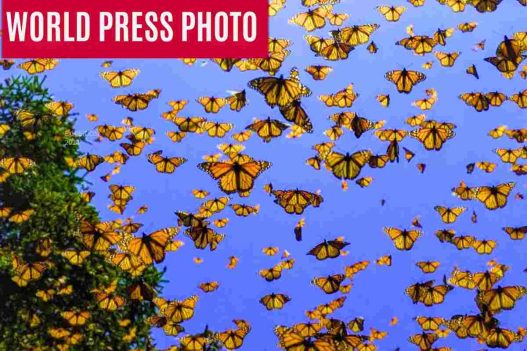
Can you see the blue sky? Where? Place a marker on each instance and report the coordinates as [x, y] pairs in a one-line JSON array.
[[378, 293]]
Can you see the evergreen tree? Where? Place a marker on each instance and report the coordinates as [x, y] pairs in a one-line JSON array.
[[58, 290]]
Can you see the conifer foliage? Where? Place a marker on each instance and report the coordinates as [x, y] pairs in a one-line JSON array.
[[59, 289]]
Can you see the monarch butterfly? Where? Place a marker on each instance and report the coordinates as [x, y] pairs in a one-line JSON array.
[[384, 100], [329, 284], [296, 201], [280, 91], [142, 133], [334, 133], [134, 148], [296, 114], [487, 167], [244, 210], [441, 35], [426, 103], [38, 65], [6, 64], [384, 260], [500, 298], [378, 161], [230, 150], [502, 338], [233, 339], [242, 136], [16, 165], [193, 342], [216, 129], [357, 34], [446, 59], [236, 175], [419, 44], [138, 101], [203, 237], [328, 249], [506, 66], [108, 301], [121, 78], [462, 279], [248, 65], [165, 164], [337, 19], [128, 262], [59, 108], [390, 134], [272, 63], [372, 48], [209, 286], [449, 215], [151, 248], [212, 104], [270, 250], [516, 233], [116, 157], [75, 257], [199, 193], [272, 273], [424, 340], [473, 71], [21, 216], [178, 105], [408, 154], [391, 13], [467, 26], [427, 293], [485, 280], [364, 181], [347, 166], [333, 50], [27, 272], [213, 205], [403, 239], [98, 236], [237, 101], [177, 311], [433, 134], [274, 301], [494, 197], [495, 98], [319, 72], [520, 98], [429, 323], [463, 242], [278, 44], [486, 5], [298, 229], [342, 98], [189, 124], [479, 101], [312, 19], [428, 266], [519, 169], [226, 64], [267, 129], [76, 318], [484, 247], [405, 80], [112, 133]]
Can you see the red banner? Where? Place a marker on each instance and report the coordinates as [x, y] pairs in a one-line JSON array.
[[134, 29]]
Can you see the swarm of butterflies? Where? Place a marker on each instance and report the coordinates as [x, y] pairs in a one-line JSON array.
[[236, 174]]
